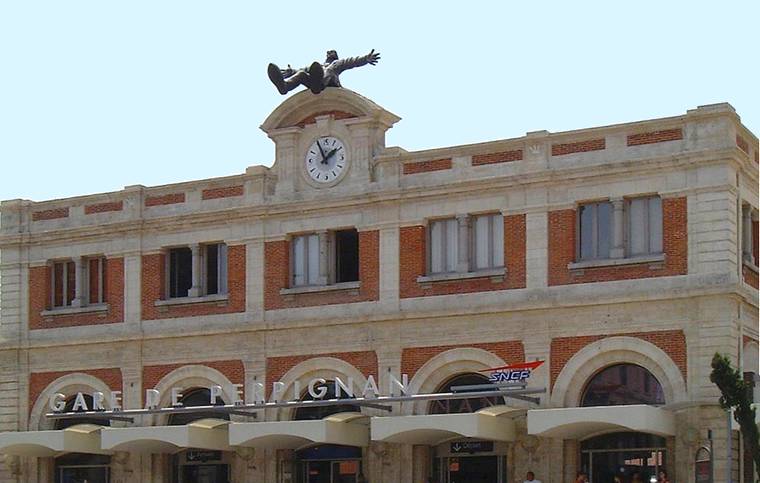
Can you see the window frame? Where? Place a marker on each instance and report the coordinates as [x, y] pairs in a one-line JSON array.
[[444, 245], [494, 247], [222, 268], [595, 230], [87, 281], [628, 220], [168, 272], [307, 236], [64, 281]]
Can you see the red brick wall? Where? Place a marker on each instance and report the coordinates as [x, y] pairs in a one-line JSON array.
[[502, 157], [38, 381], [672, 342], [337, 115], [168, 199], [277, 276], [655, 137], [579, 147], [232, 370], [562, 245], [413, 263], [103, 207], [224, 192], [39, 299], [153, 288], [427, 166], [50, 214], [364, 361], [413, 358]]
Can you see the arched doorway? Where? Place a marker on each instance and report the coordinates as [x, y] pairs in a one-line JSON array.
[[631, 457], [327, 463], [199, 465], [78, 467], [468, 460]]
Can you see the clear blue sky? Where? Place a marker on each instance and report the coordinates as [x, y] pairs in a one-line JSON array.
[[98, 95]]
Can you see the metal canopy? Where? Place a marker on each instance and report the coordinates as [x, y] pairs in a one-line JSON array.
[[519, 392]]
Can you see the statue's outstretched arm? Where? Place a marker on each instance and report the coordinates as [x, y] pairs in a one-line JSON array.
[[351, 62]]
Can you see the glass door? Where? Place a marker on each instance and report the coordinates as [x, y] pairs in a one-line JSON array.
[[346, 471], [631, 466], [470, 469], [205, 474], [82, 474]]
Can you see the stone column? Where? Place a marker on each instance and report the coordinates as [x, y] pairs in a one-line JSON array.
[[195, 289], [463, 242], [79, 275], [617, 250]]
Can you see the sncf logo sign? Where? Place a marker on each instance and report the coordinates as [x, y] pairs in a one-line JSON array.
[[513, 372]]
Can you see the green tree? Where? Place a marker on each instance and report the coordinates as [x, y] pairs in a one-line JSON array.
[[736, 394]]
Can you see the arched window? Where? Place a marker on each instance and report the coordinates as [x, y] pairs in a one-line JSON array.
[[197, 397], [319, 412], [623, 384], [68, 422], [469, 405]]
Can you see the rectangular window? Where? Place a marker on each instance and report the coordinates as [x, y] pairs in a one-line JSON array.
[[305, 267], [180, 272], [346, 256], [594, 230], [443, 249], [95, 281], [488, 241], [215, 269], [644, 226], [63, 283]]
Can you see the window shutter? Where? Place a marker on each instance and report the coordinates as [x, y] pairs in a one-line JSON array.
[[222, 264], [299, 260], [482, 235], [452, 250], [312, 256]]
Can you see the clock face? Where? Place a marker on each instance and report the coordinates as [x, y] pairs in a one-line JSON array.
[[326, 159]]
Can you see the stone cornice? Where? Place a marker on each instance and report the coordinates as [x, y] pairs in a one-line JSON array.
[[515, 301], [242, 214]]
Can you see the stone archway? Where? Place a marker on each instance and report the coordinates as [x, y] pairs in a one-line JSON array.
[[572, 379], [442, 367], [68, 384]]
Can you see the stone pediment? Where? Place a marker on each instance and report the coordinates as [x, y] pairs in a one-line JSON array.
[[303, 108]]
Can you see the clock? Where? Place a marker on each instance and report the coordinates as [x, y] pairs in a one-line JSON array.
[[326, 159]]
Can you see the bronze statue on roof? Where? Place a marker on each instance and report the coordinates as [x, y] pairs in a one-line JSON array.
[[318, 76]]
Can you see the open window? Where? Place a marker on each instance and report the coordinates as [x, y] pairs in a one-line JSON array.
[[325, 258], [77, 283], [197, 270]]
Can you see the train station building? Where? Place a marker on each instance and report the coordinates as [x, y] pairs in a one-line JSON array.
[[362, 313]]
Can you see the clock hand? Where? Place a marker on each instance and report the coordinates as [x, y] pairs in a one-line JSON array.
[[329, 155], [321, 151]]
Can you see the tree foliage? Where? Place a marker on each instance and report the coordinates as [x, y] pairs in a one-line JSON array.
[[736, 394]]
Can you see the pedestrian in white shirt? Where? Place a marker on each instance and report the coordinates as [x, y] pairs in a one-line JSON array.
[[531, 478]]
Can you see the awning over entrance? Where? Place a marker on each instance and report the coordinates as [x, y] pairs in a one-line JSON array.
[[579, 423], [349, 429], [201, 434], [82, 438], [491, 423]]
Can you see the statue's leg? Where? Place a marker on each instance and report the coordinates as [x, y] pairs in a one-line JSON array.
[[316, 77], [275, 75]]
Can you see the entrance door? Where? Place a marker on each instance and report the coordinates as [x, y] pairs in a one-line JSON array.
[[82, 474], [636, 466], [470, 469], [205, 474], [331, 471]]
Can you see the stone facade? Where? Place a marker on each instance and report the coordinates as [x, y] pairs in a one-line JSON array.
[[669, 315]]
